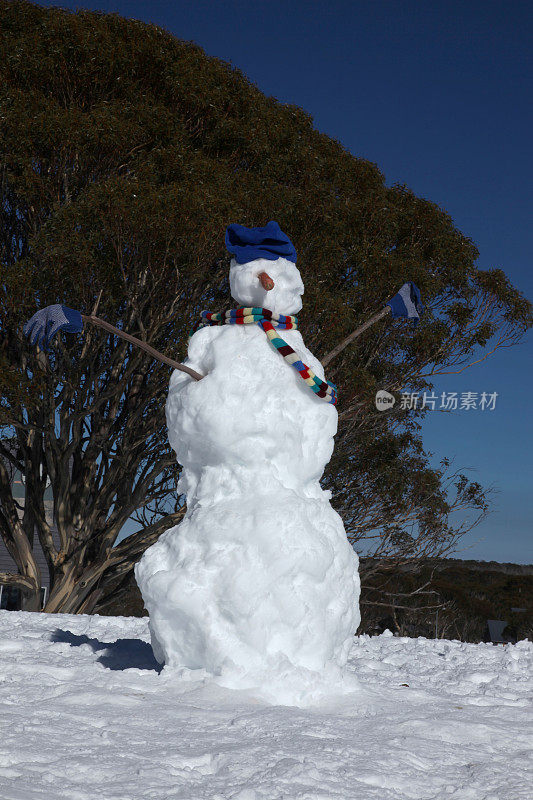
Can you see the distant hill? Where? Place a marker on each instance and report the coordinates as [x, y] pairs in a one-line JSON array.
[[469, 593], [485, 566]]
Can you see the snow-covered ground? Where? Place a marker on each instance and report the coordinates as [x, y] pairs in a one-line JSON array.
[[86, 714]]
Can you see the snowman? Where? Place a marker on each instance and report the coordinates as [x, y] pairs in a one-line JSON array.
[[257, 587]]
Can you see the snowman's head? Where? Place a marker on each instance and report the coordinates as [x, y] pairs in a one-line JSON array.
[[249, 284], [263, 268]]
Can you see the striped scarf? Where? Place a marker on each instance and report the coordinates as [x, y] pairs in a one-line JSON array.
[[269, 322]]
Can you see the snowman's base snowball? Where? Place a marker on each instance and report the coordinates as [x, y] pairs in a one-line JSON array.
[[259, 595]]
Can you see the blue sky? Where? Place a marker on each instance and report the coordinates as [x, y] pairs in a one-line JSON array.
[[439, 95]]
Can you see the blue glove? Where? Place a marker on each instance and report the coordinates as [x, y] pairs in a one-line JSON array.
[[407, 303], [44, 325]]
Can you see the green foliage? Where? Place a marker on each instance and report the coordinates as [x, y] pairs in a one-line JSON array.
[[124, 154]]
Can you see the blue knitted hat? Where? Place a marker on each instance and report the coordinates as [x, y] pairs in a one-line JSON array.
[[269, 242]]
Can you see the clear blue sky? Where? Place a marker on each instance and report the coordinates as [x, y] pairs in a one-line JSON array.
[[439, 95]]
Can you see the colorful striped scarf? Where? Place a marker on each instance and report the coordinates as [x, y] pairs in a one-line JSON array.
[[269, 322]]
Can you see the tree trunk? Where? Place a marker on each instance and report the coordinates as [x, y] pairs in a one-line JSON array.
[[62, 591]]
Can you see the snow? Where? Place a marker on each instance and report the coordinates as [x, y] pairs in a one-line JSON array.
[[86, 714], [258, 586]]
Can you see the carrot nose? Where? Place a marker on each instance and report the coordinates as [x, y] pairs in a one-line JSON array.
[[266, 281]]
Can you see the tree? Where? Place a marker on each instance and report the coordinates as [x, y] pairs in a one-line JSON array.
[[124, 154]]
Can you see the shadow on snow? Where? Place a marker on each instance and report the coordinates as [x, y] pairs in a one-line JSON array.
[[119, 655]]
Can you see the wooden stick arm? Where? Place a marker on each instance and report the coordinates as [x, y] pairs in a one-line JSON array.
[[349, 339], [100, 323]]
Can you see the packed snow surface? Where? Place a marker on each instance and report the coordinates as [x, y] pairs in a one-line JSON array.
[[86, 714], [258, 586]]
